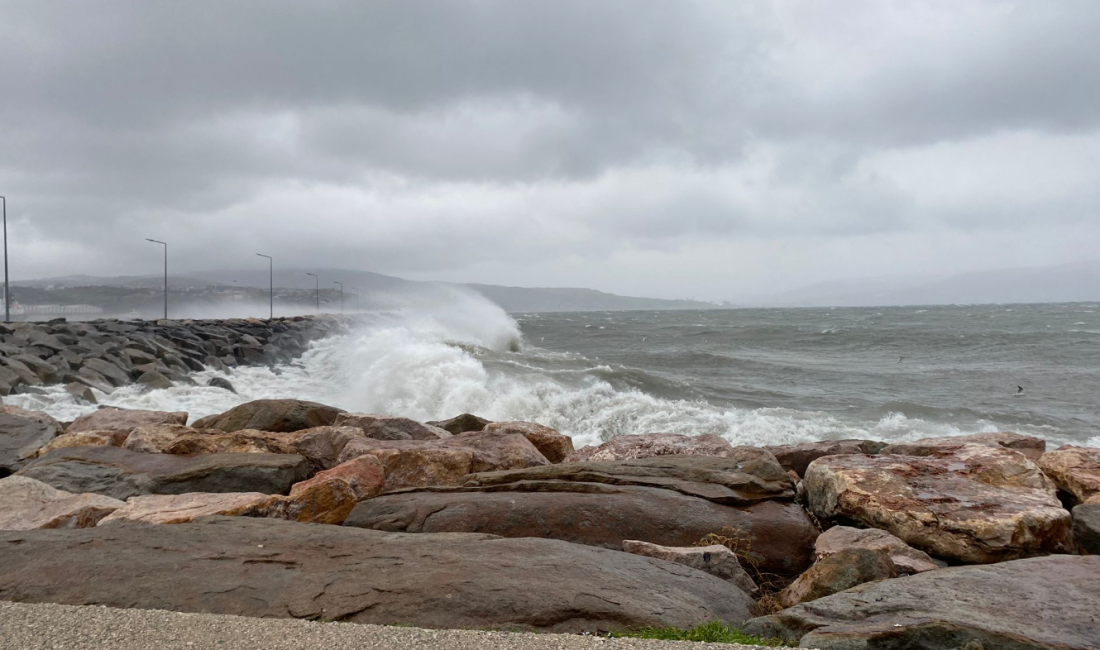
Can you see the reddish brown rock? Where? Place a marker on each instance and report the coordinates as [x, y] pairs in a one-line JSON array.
[[555, 446], [796, 458], [387, 427], [244, 441], [183, 508], [648, 445], [462, 424], [837, 572], [281, 415], [123, 420], [329, 497], [155, 438], [1076, 470], [420, 463], [906, 559], [321, 446], [1029, 446], [973, 503], [113, 438], [715, 559], [30, 504]]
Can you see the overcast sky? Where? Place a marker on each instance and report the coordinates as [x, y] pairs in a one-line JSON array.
[[671, 149]]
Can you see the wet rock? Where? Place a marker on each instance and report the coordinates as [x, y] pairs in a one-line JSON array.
[[270, 568], [110, 418], [1086, 526], [113, 374], [35, 416], [906, 559], [84, 439], [31, 504], [93, 379], [748, 475], [777, 537], [46, 372], [25, 374], [1029, 446], [81, 392], [281, 415], [837, 572], [386, 427], [648, 445], [1076, 470], [1039, 603], [245, 441], [184, 508], [796, 458], [155, 438], [121, 473], [715, 559], [419, 463], [329, 497], [972, 504], [555, 446], [223, 383], [462, 424], [21, 436], [153, 380], [322, 446]]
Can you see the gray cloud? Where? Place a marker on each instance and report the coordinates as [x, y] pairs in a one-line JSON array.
[[563, 141]]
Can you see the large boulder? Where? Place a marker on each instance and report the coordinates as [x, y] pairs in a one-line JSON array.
[[462, 423], [796, 458], [37, 416], [717, 560], [555, 446], [1086, 526], [1047, 603], [110, 418], [121, 473], [21, 437], [837, 572], [388, 427], [648, 445], [183, 508], [1029, 446], [906, 559], [322, 446], [1076, 470], [107, 370], [84, 439], [30, 504], [155, 438], [747, 476], [419, 463], [244, 441], [776, 537], [972, 504], [279, 569], [330, 496], [271, 415]]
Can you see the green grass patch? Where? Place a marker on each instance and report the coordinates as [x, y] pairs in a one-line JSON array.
[[709, 633]]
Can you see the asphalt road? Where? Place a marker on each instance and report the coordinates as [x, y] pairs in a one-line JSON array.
[[61, 627]]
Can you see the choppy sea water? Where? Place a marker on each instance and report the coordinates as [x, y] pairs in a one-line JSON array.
[[754, 376]]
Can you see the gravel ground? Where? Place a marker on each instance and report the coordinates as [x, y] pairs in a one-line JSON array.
[[62, 627]]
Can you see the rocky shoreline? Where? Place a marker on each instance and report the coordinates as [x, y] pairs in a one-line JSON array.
[[106, 354], [292, 509]]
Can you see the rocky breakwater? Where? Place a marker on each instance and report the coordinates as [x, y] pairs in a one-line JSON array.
[[106, 354], [295, 509]]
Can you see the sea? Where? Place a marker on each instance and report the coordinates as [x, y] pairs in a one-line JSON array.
[[753, 376]]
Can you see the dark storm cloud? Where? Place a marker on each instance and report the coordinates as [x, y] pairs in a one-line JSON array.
[[543, 134]]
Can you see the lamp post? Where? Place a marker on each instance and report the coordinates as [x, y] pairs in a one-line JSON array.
[[7, 298], [356, 290], [156, 241], [271, 284], [318, 294], [341, 295]]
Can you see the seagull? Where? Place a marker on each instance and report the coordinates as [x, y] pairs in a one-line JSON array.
[[644, 338], [900, 359], [1019, 391]]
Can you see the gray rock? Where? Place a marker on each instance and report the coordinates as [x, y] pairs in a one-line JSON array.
[[1047, 603], [93, 379], [837, 572], [121, 473], [80, 391], [154, 380], [272, 415], [462, 423], [223, 383], [45, 371], [717, 560], [278, 569], [25, 374], [20, 438], [1086, 527], [115, 375]]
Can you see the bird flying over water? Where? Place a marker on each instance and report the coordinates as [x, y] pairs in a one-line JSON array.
[[1019, 391]]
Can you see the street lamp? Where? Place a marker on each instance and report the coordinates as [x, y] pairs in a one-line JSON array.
[[156, 241], [318, 290], [271, 284], [356, 290], [7, 298], [341, 295]]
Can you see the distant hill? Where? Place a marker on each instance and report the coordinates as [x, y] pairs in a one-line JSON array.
[[1076, 282], [523, 299]]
